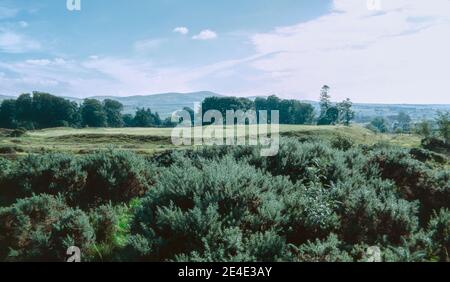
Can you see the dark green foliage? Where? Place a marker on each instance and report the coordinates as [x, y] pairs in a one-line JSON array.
[[329, 250], [8, 117], [192, 209], [331, 117], [379, 124], [439, 233], [71, 229], [41, 110], [303, 162], [10, 150], [314, 201], [224, 104], [414, 179], [424, 155], [309, 214], [50, 174], [436, 145], [115, 176], [266, 247], [443, 123], [52, 111], [84, 181], [346, 114], [19, 132], [342, 142], [42, 228], [113, 111], [104, 221], [402, 123], [370, 211], [424, 128], [145, 118], [93, 114], [291, 111]]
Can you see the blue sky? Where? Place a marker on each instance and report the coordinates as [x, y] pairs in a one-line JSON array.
[[392, 53]]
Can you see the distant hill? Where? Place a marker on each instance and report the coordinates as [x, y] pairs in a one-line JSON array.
[[5, 97], [165, 104], [365, 112]]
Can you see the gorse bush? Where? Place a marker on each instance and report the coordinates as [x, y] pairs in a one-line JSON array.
[[86, 181], [42, 228], [191, 209], [328, 250], [115, 176], [439, 233], [414, 180], [314, 201], [51, 174], [104, 221]]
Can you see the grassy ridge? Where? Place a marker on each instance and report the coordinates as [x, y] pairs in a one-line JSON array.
[[150, 140]]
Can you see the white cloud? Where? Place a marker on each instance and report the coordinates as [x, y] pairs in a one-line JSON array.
[[39, 62], [106, 76], [181, 29], [147, 45], [12, 42], [23, 24], [205, 35], [46, 62], [399, 54]]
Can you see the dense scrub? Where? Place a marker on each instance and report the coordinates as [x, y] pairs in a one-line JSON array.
[[314, 201]]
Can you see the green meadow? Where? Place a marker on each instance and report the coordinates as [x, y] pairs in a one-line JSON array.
[[151, 140]]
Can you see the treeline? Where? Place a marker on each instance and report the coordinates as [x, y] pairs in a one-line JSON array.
[[291, 111], [42, 110]]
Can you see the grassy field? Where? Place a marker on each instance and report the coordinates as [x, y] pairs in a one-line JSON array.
[[151, 140]]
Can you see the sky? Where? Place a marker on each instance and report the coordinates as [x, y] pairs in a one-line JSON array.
[[374, 51]]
